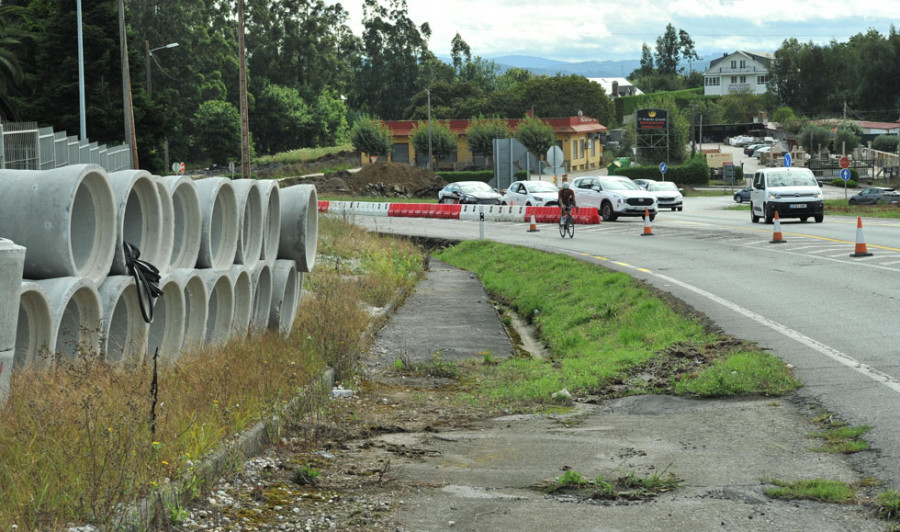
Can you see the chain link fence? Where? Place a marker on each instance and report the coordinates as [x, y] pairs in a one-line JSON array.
[[25, 146]]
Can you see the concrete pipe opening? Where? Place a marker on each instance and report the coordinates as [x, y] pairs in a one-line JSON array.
[[167, 226], [167, 330], [196, 306], [242, 285], [220, 305], [76, 311], [262, 297], [34, 328], [188, 221], [12, 263], [271, 219], [139, 218], [124, 331], [299, 225], [285, 293], [219, 233], [250, 221], [76, 210]]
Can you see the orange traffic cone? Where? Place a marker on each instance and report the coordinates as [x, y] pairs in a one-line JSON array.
[[533, 227], [776, 234], [861, 250], [648, 231]]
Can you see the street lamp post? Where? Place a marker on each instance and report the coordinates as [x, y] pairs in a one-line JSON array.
[[149, 55], [428, 91]]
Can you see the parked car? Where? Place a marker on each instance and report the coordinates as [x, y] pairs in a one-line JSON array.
[[470, 192], [528, 193], [613, 197], [668, 195], [875, 196], [761, 150], [743, 194], [749, 149], [643, 183]]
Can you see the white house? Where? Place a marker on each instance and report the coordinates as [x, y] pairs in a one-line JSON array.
[[616, 87], [738, 72]]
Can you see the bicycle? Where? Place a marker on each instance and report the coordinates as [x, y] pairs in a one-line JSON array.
[[566, 225]]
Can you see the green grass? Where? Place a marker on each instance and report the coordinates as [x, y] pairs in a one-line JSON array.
[[303, 155], [373, 199], [838, 437], [833, 491], [600, 327], [628, 486]]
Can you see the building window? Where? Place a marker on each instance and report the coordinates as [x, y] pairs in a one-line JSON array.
[[733, 63], [761, 80], [743, 79], [574, 149], [733, 79], [743, 63], [712, 82]]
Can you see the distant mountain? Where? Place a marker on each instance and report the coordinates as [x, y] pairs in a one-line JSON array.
[[550, 67]]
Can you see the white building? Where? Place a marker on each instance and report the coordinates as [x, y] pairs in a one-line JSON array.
[[738, 72], [616, 87]]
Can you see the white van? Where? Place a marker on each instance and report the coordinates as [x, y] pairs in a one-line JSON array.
[[793, 192]]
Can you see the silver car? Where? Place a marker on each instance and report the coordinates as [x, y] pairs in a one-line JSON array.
[[613, 197]]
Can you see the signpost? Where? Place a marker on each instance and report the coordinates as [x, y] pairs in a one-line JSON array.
[[555, 159], [845, 162], [662, 170], [845, 175], [787, 160]]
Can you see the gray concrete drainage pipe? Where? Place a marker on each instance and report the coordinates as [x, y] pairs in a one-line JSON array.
[[167, 227], [76, 209], [76, 312], [242, 285], [167, 330], [285, 296], [139, 217], [299, 225], [250, 221], [261, 281], [188, 221], [124, 332], [219, 233], [220, 305], [196, 306], [34, 328], [269, 191], [12, 263]]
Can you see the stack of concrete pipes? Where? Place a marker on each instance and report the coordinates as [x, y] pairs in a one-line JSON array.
[[231, 255]]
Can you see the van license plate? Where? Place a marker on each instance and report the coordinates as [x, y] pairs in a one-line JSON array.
[[797, 206]]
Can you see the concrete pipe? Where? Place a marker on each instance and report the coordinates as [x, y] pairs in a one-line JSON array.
[[250, 221], [139, 217], [285, 295], [12, 263], [188, 221], [167, 226], [34, 328], [196, 305], [221, 306], [219, 232], [299, 225], [269, 191], [65, 218], [261, 281], [76, 312], [6, 369], [242, 285], [124, 331], [167, 330]]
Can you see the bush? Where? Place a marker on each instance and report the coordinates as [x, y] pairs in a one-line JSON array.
[[693, 172], [885, 143], [838, 182], [471, 175]]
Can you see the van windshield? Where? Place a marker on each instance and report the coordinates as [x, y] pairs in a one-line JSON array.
[[792, 179]]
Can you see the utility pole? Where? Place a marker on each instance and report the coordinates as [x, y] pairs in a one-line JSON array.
[[127, 104], [245, 114], [429, 127]]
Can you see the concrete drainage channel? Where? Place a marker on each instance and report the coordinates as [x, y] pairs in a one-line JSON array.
[[231, 255]]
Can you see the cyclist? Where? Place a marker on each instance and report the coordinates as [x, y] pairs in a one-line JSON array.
[[566, 199]]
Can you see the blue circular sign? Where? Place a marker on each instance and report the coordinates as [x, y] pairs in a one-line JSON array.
[[845, 174], [662, 168], [787, 160]]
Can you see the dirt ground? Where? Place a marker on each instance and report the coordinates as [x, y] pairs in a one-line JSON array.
[[381, 179]]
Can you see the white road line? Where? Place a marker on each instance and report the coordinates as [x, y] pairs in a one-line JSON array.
[[830, 352]]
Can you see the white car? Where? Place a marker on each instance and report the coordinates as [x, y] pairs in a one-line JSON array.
[[668, 195], [531, 193], [613, 197]]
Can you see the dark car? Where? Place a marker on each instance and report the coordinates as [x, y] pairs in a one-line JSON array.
[[875, 196], [743, 195], [471, 192]]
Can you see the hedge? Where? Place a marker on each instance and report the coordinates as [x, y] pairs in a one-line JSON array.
[[693, 172], [469, 175]]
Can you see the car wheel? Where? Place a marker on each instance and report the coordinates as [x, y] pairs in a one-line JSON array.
[[528, 204], [680, 209], [803, 220], [819, 218], [443, 201], [852, 201], [753, 217], [503, 203], [652, 217], [738, 198], [607, 213], [769, 215], [674, 209]]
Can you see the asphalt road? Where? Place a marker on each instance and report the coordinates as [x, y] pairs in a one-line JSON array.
[[830, 315]]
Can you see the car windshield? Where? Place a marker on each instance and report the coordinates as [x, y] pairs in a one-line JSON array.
[[616, 184], [541, 186], [664, 186], [792, 179], [475, 186]]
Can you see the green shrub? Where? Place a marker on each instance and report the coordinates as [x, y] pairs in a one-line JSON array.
[[838, 182], [471, 175], [693, 172]]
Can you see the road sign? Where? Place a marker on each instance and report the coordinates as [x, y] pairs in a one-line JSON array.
[[663, 168], [845, 174], [176, 167], [555, 156], [787, 160], [845, 162]]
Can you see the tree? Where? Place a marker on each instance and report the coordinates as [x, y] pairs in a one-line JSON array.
[[535, 135], [218, 131], [443, 141], [845, 139], [783, 114], [885, 143], [481, 134], [686, 46], [814, 138], [667, 51], [646, 61], [370, 137], [459, 50], [739, 107], [281, 120], [330, 118]]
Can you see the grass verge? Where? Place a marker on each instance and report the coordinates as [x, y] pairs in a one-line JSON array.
[[833, 491], [838, 437], [608, 334], [626, 486], [78, 442]]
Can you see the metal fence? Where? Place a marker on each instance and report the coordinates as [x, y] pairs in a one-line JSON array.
[[25, 146]]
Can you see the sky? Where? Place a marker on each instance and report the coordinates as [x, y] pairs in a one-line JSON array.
[[600, 30]]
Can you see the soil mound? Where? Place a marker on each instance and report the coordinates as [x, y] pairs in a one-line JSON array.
[[394, 180]]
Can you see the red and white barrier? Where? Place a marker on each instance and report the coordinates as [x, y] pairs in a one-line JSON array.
[[492, 213]]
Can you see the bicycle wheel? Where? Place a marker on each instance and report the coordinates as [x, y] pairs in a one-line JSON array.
[[562, 229], [570, 227]]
